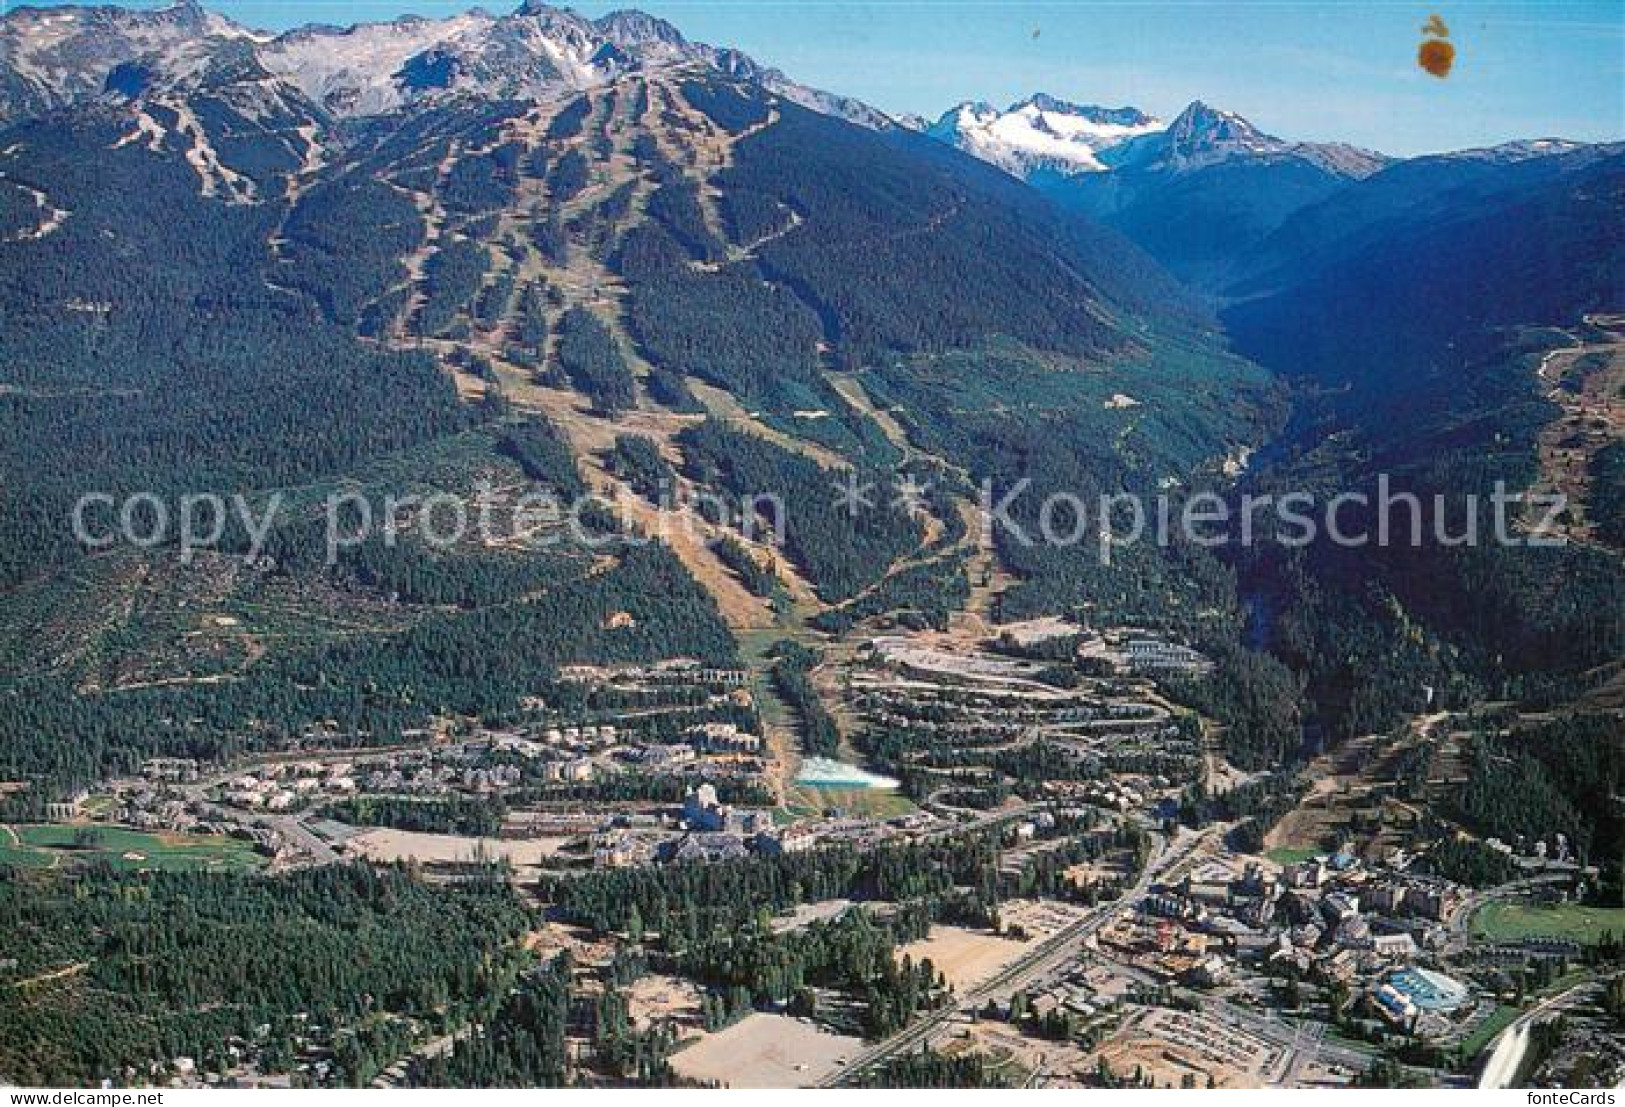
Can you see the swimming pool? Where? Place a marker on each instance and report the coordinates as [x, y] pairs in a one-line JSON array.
[[1430, 991]]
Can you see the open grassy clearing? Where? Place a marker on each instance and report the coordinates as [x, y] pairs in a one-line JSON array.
[[1293, 855], [58, 846], [1511, 922]]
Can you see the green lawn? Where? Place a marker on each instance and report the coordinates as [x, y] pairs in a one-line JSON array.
[[56, 846], [1510, 922], [1293, 855], [872, 803], [1498, 1021], [17, 855]]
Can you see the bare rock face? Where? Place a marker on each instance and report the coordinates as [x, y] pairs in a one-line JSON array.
[[52, 57]]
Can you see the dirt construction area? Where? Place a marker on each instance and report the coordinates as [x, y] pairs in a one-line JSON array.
[[657, 999], [766, 1051], [965, 957], [408, 845]]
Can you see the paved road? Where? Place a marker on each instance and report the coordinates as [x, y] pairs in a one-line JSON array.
[[442, 1046], [292, 830], [1507, 1057], [1059, 950], [1066, 947], [304, 839]]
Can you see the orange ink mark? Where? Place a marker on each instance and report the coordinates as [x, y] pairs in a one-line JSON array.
[[1436, 55]]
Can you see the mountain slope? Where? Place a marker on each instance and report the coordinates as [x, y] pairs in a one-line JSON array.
[[50, 57], [1195, 193], [1418, 276], [1411, 194], [1206, 189], [680, 275], [1421, 339]]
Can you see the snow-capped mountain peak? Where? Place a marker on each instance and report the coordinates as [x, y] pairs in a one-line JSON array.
[[1202, 127], [50, 57], [1043, 105], [1041, 133], [630, 29], [357, 70], [1044, 135], [1203, 136]]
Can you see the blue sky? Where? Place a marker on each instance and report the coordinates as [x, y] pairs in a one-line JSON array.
[[1329, 70]]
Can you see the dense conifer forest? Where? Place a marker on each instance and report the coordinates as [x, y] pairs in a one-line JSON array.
[[182, 964], [699, 283]]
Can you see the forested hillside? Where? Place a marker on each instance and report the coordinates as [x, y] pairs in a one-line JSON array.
[[186, 964], [533, 550], [239, 297], [1416, 331]]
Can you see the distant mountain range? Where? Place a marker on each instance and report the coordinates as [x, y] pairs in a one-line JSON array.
[[258, 261], [51, 57], [1204, 193], [1046, 137], [1193, 192]]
